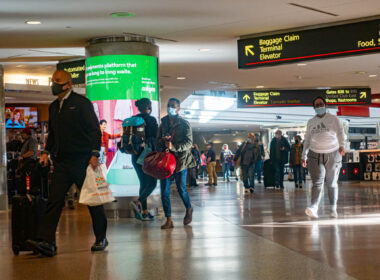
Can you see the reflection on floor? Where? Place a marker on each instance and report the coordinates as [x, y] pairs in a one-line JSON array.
[[233, 236]]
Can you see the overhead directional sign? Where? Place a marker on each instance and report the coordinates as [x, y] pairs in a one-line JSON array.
[[320, 43], [299, 97]]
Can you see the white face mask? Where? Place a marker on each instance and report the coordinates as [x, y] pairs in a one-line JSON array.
[[172, 111], [320, 111]]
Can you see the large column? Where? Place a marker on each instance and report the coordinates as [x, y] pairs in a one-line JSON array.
[[3, 154], [119, 71]]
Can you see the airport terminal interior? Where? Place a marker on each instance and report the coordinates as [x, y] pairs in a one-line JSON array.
[[211, 139]]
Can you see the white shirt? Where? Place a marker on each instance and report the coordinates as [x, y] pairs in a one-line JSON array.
[[63, 100], [323, 135]]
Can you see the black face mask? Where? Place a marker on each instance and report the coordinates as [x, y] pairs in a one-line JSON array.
[[57, 89]]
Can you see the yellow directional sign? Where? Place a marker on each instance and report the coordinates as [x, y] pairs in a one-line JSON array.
[[363, 95], [248, 50], [246, 98]]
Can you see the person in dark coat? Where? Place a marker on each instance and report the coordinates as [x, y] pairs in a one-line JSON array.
[[147, 183], [175, 134], [279, 154], [73, 144]]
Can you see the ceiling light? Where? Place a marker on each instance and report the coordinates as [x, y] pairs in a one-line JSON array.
[[20, 66], [204, 50], [122, 14], [259, 86], [33, 22], [181, 78], [301, 64], [372, 76], [360, 72]]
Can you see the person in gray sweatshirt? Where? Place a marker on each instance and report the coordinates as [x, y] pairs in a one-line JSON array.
[[323, 151]]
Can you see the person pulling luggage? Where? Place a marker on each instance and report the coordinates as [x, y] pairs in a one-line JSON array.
[[73, 144]]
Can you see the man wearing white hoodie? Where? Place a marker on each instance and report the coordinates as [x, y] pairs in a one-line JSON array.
[[323, 150]]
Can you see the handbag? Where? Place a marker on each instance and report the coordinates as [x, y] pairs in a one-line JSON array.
[[147, 150], [159, 165], [95, 190]]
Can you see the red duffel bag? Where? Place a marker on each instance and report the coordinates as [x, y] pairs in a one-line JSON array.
[[159, 165]]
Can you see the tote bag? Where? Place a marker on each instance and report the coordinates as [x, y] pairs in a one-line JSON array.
[[95, 190]]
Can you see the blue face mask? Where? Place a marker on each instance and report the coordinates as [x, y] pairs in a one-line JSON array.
[[172, 111], [320, 111]]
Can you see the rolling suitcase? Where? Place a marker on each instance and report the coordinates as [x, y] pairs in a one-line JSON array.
[[27, 213], [28, 207], [269, 179]]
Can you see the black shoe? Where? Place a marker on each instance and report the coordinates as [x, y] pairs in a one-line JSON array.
[[259, 181], [195, 185], [215, 184], [100, 245], [43, 247], [251, 190], [71, 204], [209, 185]]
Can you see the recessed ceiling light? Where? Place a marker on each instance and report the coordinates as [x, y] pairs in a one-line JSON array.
[[122, 14], [360, 72], [181, 78], [301, 64], [204, 50], [259, 86], [20, 66], [372, 76], [33, 22]]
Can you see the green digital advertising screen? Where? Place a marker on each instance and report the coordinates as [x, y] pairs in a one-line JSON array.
[[117, 77]]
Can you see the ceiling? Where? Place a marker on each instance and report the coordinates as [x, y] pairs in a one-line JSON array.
[[190, 25]]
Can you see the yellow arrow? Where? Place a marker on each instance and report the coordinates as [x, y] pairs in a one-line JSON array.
[[363, 94], [246, 98], [248, 50]]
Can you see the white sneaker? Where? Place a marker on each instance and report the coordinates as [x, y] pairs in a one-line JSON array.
[[311, 212], [334, 213]]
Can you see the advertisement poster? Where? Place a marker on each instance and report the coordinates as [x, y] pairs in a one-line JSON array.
[[114, 84]]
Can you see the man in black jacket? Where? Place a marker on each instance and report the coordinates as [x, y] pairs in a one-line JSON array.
[[73, 143], [279, 154]]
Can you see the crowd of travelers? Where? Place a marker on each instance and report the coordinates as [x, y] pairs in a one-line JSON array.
[[74, 145]]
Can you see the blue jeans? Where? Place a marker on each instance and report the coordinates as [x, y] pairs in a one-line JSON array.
[[226, 170], [147, 183], [258, 168], [204, 171], [180, 179], [279, 173], [102, 157], [298, 173], [248, 175]]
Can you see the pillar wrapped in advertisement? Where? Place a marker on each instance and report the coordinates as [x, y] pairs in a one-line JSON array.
[[114, 83]]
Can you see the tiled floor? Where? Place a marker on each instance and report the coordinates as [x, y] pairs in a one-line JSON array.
[[233, 236]]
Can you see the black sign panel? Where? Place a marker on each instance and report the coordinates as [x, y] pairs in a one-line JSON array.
[[320, 43], [283, 98], [77, 69]]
